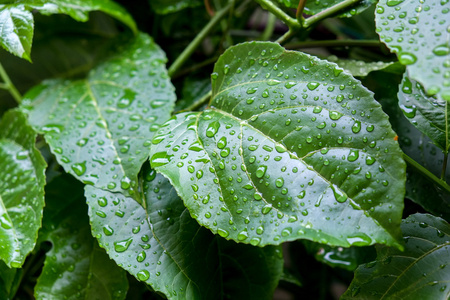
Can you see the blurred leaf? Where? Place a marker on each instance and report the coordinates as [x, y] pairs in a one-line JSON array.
[[193, 89], [100, 128], [291, 147], [420, 272], [426, 53], [159, 243], [314, 7], [22, 181], [170, 6], [358, 67], [427, 114], [9, 281], [76, 267]]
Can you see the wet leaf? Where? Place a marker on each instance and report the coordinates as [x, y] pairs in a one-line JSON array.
[[75, 267], [358, 67], [100, 128], [161, 244], [164, 7], [17, 20], [314, 7], [418, 32], [427, 114], [292, 147], [22, 181], [420, 272]]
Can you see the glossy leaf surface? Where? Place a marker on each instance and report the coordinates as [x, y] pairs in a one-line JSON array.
[[16, 35], [75, 267], [358, 67], [100, 128], [22, 181], [17, 20], [159, 243], [170, 6], [428, 114], [420, 272], [314, 7], [292, 147], [418, 32]]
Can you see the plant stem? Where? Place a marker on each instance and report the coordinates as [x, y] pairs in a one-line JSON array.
[[8, 85], [181, 59], [300, 8], [199, 102], [270, 26], [335, 43], [280, 14], [442, 184], [286, 37], [444, 166], [329, 12]]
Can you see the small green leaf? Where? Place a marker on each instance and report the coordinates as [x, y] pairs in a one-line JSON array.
[[100, 128], [22, 181], [292, 147], [420, 272], [428, 114], [358, 67], [75, 267], [16, 35], [159, 243], [164, 7], [418, 32], [314, 7]]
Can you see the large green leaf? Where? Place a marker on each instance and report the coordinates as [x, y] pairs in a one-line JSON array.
[[420, 272], [292, 147], [313, 7], [17, 20], [171, 6], [358, 67], [428, 114], [100, 128], [22, 181], [75, 267], [418, 31], [159, 243]]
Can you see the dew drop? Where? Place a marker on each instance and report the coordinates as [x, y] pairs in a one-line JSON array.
[[79, 168], [313, 85], [122, 246], [261, 171], [143, 275]]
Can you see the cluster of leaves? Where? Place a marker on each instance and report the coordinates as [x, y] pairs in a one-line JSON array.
[[290, 150]]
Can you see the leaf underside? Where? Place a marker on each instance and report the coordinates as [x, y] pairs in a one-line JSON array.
[[292, 147], [100, 128], [159, 243], [418, 32], [420, 272]]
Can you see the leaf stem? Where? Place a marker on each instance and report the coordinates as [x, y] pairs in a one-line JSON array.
[[335, 43], [270, 26], [286, 37], [279, 13], [442, 184], [444, 166], [181, 59], [199, 102], [299, 12], [329, 12], [8, 85]]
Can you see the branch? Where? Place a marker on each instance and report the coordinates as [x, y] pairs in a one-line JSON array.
[[329, 12], [279, 13], [442, 184], [8, 85]]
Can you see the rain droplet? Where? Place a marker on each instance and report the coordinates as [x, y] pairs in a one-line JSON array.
[[143, 275], [261, 171], [122, 246], [212, 129], [79, 168]]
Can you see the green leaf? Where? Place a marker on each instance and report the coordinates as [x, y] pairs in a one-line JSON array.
[[428, 114], [75, 267], [193, 90], [9, 281], [16, 35], [313, 7], [17, 22], [22, 181], [159, 243], [100, 127], [164, 7], [292, 147], [420, 272], [418, 33], [358, 67]]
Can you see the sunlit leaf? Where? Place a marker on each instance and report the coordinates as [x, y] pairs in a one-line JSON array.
[[22, 181], [418, 32], [292, 147], [159, 243], [16, 35], [100, 128], [313, 7], [420, 272], [75, 267]]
